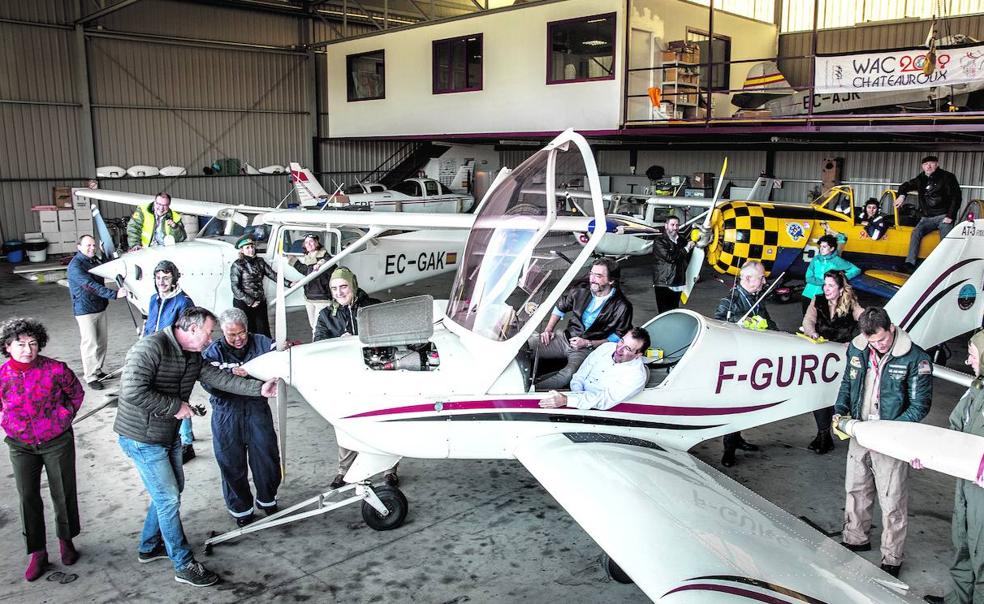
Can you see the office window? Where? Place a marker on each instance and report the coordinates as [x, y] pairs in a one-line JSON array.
[[581, 49], [722, 53], [366, 76], [458, 64]]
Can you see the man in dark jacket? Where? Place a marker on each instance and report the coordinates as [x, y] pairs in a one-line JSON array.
[[246, 276], [887, 377], [599, 313], [317, 291], [89, 301], [339, 319], [670, 256], [242, 426], [939, 203], [745, 295], [158, 375]]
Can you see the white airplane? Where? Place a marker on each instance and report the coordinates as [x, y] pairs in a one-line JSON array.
[[381, 261], [458, 385], [411, 195]]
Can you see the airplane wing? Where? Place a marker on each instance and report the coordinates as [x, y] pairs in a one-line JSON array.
[[409, 221], [184, 206], [685, 533]]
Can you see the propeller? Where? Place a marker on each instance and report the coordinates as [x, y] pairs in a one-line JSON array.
[[703, 239], [105, 239], [280, 331]]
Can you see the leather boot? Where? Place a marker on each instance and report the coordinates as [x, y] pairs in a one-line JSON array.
[[826, 443], [35, 568], [69, 555], [815, 443]]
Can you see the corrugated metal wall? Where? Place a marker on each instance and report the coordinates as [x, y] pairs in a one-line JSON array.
[[159, 100], [900, 34]]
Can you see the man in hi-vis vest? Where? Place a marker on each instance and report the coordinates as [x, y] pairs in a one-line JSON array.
[[153, 223]]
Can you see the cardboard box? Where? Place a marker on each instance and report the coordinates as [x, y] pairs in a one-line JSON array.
[[66, 220], [83, 213], [48, 216], [68, 237], [698, 192], [27, 236], [702, 180], [84, 226], [61, 196], [49, 227], [81, 203]]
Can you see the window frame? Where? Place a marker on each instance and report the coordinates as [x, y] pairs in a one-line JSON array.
[[349, 84], [450, 42], [614, 55], [724, 64]]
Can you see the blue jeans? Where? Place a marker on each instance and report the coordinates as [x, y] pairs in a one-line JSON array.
[[187, 436], [925, 226], [163, 477]]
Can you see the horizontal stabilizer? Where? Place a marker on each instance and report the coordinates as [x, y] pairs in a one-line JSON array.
[[686, 533]]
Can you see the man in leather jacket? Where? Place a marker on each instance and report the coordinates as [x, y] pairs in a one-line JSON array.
[[600, 313], [939, 203], [670, 254], [887, 377]]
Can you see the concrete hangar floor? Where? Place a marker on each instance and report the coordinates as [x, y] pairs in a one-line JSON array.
[[477, 531]]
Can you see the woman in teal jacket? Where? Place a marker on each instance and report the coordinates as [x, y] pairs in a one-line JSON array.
[[827, 259]]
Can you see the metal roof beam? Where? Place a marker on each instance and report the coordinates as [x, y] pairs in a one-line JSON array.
[[105, 11]]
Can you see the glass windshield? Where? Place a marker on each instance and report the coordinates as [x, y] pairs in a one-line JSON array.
[[510, 266]]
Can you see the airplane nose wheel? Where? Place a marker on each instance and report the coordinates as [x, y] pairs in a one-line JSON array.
[[615, 572], [388, 511]]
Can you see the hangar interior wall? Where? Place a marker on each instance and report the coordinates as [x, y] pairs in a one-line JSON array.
[[168, 83]]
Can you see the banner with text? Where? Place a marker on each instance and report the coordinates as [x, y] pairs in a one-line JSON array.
[[898, 70]]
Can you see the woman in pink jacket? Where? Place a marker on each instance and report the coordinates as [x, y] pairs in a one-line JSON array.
[[39, 397]]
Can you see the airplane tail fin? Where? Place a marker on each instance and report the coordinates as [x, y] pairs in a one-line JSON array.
[[944, 297], [762, 190], [309, 190]]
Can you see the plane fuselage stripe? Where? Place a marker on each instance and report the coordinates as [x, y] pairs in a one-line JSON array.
[[498, 416], [507, 405]]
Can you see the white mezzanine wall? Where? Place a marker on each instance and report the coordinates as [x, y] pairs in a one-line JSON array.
[[514, 97]]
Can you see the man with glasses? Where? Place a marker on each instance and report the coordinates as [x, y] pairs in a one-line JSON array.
[[611, 374], [242, 426], [600, 313], [155, 224]]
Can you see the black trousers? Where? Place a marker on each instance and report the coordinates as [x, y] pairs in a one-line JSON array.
[[57, 457], [731, 441], [823, 417], [256, 317], [666, 299]]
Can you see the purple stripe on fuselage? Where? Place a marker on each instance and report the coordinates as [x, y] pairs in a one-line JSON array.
[[511, 404], [904, 322], [728, 589]]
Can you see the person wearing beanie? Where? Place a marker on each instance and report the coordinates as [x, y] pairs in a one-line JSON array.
[[939, 203], [317, 292], [338, 319], [967, 569], [165, 308], [246, 275]]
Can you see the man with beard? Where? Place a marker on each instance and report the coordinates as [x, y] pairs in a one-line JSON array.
[[154, 223], [600, 313]]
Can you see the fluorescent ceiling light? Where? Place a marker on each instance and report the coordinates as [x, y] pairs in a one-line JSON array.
[[594, 43]]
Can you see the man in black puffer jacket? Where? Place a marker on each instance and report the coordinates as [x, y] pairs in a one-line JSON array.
[[158, 375], [335, 321]]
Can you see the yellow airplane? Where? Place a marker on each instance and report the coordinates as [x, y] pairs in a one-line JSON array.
[[783, 236]]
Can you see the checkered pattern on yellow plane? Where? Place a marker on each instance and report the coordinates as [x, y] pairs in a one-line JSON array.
[[748, 233]]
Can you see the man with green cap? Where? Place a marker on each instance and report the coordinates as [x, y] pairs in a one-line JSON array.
[[246, 276], [337, 320], [967, 526]]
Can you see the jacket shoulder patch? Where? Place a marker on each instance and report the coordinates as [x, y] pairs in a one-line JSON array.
[[925, 368]]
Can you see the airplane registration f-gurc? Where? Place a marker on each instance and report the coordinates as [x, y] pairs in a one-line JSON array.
[[458, 385]]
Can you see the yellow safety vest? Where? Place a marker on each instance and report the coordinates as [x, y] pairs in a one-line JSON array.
[[147, 224]]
